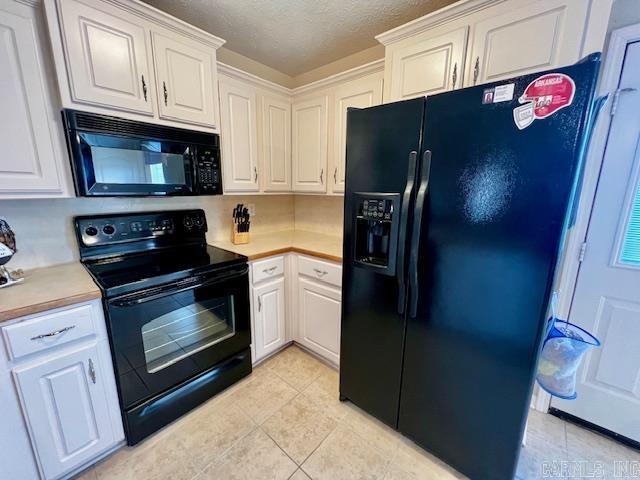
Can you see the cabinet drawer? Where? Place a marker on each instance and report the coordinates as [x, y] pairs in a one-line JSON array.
[[269, 268], [324, 271], [48, 330]]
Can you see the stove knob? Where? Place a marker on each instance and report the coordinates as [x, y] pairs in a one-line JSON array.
[[188, 223], [91, 231], [198, 221], [108, 229]]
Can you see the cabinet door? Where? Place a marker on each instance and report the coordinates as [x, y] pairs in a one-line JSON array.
[[239, 137], [540, 36], [269, 317], [319, 318], [66, 409], [429, 66], [185, 79], [309, 145], [31, 160], [107, 58], [361, 93], [276, 144]]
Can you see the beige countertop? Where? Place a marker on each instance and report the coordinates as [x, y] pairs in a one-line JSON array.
[[47, 288], [266, 244]]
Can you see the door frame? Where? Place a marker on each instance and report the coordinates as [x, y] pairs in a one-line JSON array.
[[577, 235]]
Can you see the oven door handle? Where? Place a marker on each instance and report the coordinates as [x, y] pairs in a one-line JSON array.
[[148, 295]]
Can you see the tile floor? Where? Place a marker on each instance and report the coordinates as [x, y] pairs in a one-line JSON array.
[[285, 422]]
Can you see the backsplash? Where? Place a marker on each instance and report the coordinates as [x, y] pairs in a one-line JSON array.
[[319, 213], [45, 235]]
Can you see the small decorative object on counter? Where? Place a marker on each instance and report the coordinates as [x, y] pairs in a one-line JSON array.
[[241, 225], [562, 353], [7, 249]]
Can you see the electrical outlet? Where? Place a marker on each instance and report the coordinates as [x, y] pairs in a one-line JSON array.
[[252, 209]]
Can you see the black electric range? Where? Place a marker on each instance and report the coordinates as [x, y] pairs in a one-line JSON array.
[[177, 311]]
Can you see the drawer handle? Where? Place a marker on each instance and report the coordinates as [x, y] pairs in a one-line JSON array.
[[269, 271], [53, 334], [92, 372], [321, 273]]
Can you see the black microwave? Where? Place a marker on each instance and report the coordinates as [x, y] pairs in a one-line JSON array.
[[113, 156]]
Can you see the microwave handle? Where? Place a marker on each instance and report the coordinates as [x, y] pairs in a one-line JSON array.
[[140, 297]]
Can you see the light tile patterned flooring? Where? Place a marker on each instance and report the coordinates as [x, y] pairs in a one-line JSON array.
[[285, 421]]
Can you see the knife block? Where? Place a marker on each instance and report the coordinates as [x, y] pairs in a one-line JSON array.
[[238, 238]]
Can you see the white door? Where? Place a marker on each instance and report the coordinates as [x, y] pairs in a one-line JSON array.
[[607, 296], [239, 137], [269, 317], [539, 36], [185, 79], [309, 144], [319, 313], [30, 160], [430, 66], [66, 408], [276, 144], [107, 58], [360, 93]]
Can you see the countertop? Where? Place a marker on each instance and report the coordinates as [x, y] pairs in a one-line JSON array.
[[47, 288], [262, 245]]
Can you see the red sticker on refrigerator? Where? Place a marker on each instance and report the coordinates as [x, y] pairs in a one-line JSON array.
[[544, 97]]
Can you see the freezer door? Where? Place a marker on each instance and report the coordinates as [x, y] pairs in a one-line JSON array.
[[382, 146], [497, 193]]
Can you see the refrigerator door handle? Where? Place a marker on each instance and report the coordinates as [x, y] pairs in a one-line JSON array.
[[425, 172], [402, 240]]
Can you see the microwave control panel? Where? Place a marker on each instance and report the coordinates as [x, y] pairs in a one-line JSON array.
[[208, 173]]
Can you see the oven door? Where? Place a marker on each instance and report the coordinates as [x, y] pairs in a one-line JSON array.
[[120, 165], [165, 335]]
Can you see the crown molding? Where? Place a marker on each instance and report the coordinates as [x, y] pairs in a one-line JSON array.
[[353, 73], [356, 72], [434, 19], [250, 77], [154, 15]]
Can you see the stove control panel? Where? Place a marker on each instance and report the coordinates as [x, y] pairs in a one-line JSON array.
[[107, 230]]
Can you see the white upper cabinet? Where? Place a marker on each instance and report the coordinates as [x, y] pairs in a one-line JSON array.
[[276, 144], [33, 162], [127, 59], [429, 66], [539, 36], [239, 136], [309, 144], [360, 93], [66, 408], [184, 75], [107, 57]]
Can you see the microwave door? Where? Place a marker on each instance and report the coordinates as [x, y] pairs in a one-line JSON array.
[[131, 166]]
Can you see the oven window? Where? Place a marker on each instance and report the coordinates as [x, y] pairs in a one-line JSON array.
[[187, 330], [133, 161]]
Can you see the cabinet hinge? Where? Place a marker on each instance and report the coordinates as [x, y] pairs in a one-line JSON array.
[[583, 249], [616, 99]]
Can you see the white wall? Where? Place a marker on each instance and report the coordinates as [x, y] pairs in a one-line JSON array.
[[45, 235]]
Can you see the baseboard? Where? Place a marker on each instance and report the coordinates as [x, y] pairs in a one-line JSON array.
[[595, 428]]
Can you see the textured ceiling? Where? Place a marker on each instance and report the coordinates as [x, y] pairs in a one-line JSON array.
[[295, 36]]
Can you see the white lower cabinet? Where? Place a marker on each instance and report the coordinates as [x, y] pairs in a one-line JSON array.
[[63, 389], [319, 314], [66, 408], [296, 297], [269, 317]]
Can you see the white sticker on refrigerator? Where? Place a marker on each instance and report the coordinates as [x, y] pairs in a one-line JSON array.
[[503, 93]]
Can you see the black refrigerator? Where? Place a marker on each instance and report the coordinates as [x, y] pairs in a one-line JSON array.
[[455, 211]]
